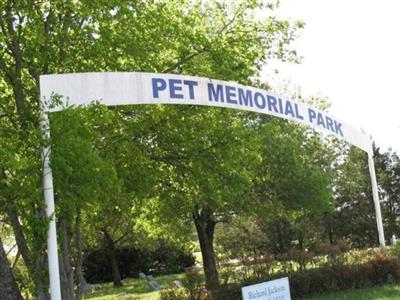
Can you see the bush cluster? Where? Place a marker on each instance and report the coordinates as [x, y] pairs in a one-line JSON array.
[[165, 259], [380, 270], [341, 277], [193, 288]]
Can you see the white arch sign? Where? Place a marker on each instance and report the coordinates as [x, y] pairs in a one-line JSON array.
[[123, 88]]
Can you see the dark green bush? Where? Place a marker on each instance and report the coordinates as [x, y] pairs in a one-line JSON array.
[[165, 259], [382, 269]]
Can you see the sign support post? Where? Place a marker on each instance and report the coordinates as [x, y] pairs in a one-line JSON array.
[[52, 254], [375, 196]]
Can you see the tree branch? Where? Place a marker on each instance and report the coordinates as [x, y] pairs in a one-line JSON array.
[[185, 60], [11, 249], [205, 49]]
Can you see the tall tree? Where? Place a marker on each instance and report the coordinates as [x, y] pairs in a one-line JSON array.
[[206, 173], [294, 180], [82, 177], [225, 163], [388, 173], [209, 38], [354, 217]]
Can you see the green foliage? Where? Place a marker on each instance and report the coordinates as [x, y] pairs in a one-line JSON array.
[[241, 238], [354, 201], [395, 250], [380, 270], [295, 169], [80, 171], [173, 294], [132, 289], [22, 276], [194, 285], [193, 288], [163, 259], [385, 292], [141, 172], [388, 173]]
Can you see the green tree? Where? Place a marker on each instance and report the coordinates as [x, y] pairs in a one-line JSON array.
[[241, 238], [83, 178], [206, 173], [354, 216], [294, 180], [388, 173], [124, 144], [40, 37], [226, 163]]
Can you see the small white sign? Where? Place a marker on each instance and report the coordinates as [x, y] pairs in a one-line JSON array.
[[271, 290]]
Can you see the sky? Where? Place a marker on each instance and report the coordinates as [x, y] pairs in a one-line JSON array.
[[351, 55]]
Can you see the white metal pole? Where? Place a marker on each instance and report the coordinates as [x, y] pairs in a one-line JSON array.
[[52, 254], [375, 195]]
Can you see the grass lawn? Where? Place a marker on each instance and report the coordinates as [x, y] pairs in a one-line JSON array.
[[138, 289], [378, 293], [133, 289]]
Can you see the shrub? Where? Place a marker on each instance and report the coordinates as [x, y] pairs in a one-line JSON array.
[[193, 288], [230, 273], [228, 292], [173, 294], [381, 269], [166, 259], [341, 277], [301, 257], [395, 250], [194, 285]]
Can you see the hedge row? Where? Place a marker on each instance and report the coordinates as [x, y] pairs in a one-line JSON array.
[[380, 270]]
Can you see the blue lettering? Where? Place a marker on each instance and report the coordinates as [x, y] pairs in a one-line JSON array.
[[158, 84], [191, 84], [230, 93], [261, 105], [272, 103], [174, 86], [329, 124], [296, 109], [338, 128], [320, 120], [280, 105], [216, 95], [289, 109], [245, 99], [311, 115]]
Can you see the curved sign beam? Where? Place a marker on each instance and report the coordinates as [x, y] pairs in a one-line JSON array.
[[123, 88]]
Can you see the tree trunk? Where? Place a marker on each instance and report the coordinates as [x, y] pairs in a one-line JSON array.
[[330, 235], [112, 254], [41, 271], [205, 225], [8, 287], [66, 274], [39, 275], [79, 258], [19, 237], [281, 247], [392, 223], [35, 265]]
